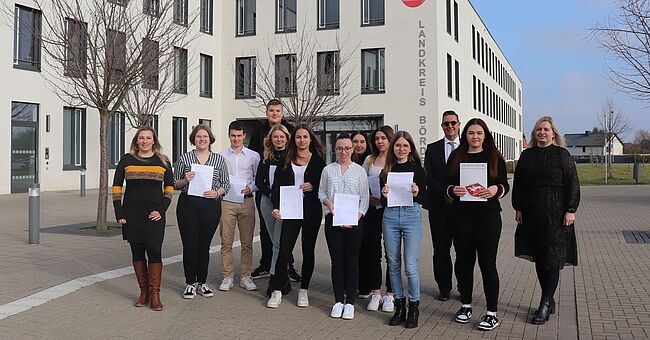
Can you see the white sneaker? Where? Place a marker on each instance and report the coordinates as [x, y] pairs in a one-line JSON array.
[[303, 298], [246, 282], [388, 304], [204, 290], [373, 305], [337, 310], [348, 312], [275, 300], [226, 284], [190, 292]]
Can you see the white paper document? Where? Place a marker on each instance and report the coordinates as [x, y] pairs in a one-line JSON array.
[[346, 210], [400, 191], [375, 189], [237, 184], [202, 180], [291, 202], [271, 174], [473, 177]]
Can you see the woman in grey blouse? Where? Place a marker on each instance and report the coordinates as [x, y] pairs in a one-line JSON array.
[[344, 242]]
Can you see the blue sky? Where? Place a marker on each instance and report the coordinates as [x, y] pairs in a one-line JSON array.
[[547, 43]]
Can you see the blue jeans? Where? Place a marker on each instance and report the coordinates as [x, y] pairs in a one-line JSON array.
[[403, 223]]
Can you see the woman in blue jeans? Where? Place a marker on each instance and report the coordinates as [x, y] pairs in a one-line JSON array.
[[403, 223]]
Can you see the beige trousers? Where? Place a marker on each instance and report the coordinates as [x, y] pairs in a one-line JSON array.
[[242, 216]]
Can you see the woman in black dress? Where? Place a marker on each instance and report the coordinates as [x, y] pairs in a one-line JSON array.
[[545, 196], [141, 213]]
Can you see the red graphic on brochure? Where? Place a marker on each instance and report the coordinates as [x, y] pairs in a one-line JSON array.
[[413, 3], [475, 189]]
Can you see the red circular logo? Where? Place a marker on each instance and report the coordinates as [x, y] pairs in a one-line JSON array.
[[413, 3]]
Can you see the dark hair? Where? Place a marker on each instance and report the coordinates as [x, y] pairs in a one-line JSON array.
[[450, 113], [389, 132], [199, 128], [391, 159], [343, 135], [315, 146], [157, 148], [360, 158], [237, 126], [273, 102], [493, 154]]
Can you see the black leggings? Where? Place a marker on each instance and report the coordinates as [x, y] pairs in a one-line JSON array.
[[476, 230], [370, 255], [344, 245], [310, 224], [153, 250], [548, 279], [198, 219]]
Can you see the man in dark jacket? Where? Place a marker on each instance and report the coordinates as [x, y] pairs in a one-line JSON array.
[[435, 164]]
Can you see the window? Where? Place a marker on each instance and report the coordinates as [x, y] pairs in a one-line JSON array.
[[245, 77], [150, 54], [285, 18], [372, 12], [206, 76], [180, 70], [151, 7], [473, 42], [27, 38], [116, 128], [328, 72], [115, 55], [285, 75], [474, 92], [450, 91], [206, 16], [75, 53], [246, 17], [457, 79], [152, 121], [118, 2], [180, 12], [455, 21], [74, 138], [448, 11], [372, 71], [179, 137], [328, 14], [207, 122]]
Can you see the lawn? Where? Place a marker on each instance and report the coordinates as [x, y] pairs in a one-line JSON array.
[[591, 174]]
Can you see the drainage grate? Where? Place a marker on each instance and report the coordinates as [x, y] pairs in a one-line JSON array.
[[636, 236]]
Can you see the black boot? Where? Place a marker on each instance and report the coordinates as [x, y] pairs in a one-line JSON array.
[[400, 312], [543, 312], [414, 313], [552, 305]]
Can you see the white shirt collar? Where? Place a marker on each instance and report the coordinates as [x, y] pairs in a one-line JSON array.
[[455, 141]]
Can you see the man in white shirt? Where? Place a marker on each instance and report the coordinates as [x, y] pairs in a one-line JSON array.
[[238, 207]]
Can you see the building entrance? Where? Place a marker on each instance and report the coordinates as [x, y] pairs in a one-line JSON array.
[[24, 146]]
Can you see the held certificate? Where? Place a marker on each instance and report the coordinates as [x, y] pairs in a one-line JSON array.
[[473, 177], [291, 202], [202, 180], [346, 210], [237, 184], [400, 192]]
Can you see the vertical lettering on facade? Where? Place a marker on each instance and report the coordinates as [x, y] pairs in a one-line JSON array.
[[422, 84]]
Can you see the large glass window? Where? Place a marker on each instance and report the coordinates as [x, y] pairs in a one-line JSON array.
[[246, 17], [206, 16], [152, 121], [372, 70], [328, 14], [285, 75], [179, 137], [115, 55], [116, 132], [328, 72], [151, 7], [150, 64], [180, 12], [180, 70], [75, 53], [74, 138], [206, 76], [245, 77], [372, 12], [27, 38], [286, 15]]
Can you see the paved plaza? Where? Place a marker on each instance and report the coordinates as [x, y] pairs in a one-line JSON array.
[[606, 297]]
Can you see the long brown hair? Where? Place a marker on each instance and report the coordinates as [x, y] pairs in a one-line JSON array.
[[315, 146], [268, 141], [389, 132], [391, 158], [157, 148], [493, 153]]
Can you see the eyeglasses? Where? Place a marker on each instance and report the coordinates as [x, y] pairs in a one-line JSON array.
[[346, 149], [452, 123]]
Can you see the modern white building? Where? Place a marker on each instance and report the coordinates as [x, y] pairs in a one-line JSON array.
[[409, 60]]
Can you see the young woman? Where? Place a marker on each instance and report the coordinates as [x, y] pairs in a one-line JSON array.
[[404, 224], [370, 274], [361, 147], [477, 225], [141, 211], [546, 195], [302, 167], [344, 242], [275, 149], [198, 217]]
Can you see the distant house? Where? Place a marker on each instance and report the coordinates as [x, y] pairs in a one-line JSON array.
[[591, 144]]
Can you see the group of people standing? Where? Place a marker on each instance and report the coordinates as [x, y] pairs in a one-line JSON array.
[[545, 196]]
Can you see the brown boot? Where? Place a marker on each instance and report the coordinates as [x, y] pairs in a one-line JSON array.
[[155, 275], [140, 268]]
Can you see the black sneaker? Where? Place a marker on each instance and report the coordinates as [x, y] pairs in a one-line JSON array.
[[463, 315], [488, 323], [259, 273], [293, 275]]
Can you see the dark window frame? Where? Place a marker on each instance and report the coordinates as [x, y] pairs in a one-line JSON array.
[[74, 143], [366, 13], [325, 67], [179, 142], [150, 64], [34, 33], [181, 12], [240, 29], [206, 70], [116, 144], [290, 83], [380, 66], [240, 82], [180, 70], [77, 47], [207, 17], [322, 24], [283, 16]]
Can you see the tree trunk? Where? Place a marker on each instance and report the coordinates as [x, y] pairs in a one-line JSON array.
[[102, 198]]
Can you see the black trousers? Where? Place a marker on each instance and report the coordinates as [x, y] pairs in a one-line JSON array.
[[476, 231], [344, 245], [198, 219], [441, 237], [153, 252], [265, 240], [370, 256], [309, 225]]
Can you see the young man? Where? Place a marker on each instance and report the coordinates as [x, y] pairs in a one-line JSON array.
[[274, 115], [435, 164], [237, 212]]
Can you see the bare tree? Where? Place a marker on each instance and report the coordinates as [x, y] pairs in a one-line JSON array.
[[101, 54], [615, 124], [641, 135], [312, 80]]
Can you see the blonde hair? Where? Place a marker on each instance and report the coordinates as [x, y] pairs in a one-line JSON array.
[[557, 140], [268, 141], [157, 148]]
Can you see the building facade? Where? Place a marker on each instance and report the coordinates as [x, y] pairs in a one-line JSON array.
[[592, 144], [409, 61]]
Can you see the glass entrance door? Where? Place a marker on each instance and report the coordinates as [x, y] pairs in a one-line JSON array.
[[24, 146]]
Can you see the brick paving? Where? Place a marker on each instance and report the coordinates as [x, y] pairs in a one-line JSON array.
[[605, 297]]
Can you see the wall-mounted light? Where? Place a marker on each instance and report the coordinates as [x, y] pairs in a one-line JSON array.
[[47, 123]]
